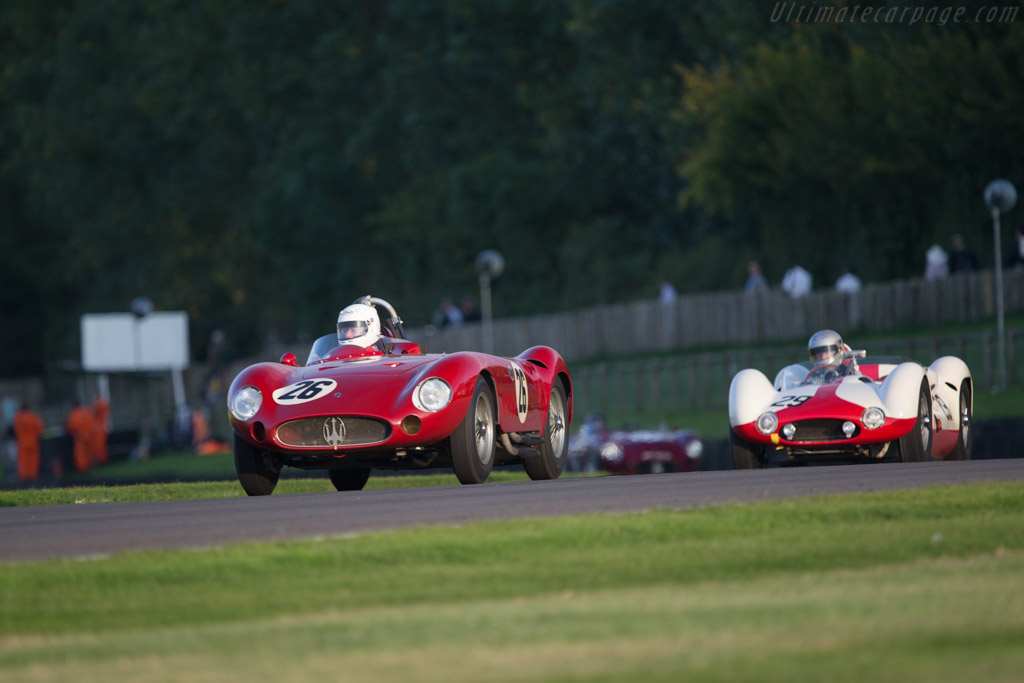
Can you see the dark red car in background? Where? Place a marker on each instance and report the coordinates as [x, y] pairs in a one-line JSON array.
[[596, 447]]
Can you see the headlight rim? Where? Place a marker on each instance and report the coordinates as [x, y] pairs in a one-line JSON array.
[[770, 418], [868, 421], [429, 406], [245, 416], [611, 452]]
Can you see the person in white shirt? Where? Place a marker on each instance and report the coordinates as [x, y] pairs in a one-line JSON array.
[[666, 291], [848, 282], [797, 282]]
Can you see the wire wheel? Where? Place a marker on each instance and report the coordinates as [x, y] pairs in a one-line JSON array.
[[962, 451], [472, 442], [916, 445], [551, 462]]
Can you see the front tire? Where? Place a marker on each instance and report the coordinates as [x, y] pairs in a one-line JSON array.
[[256, 469], [745, 456], [965, 438], [349, 480], [553, 450], [916, 445], [472, 442]]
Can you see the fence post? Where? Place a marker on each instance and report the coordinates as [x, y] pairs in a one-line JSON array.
[[1011, 357], [986, 356], [676, 379]]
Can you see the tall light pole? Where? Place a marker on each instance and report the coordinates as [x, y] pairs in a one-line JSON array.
[[489, 264], [141, 306], [1000, 196]]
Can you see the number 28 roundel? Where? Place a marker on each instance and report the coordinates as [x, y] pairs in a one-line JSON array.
[[306, 390]]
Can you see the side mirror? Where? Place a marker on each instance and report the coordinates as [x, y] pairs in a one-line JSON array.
[[290, 359]]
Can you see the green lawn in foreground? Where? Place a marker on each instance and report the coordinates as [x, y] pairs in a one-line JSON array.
[[919, 585]]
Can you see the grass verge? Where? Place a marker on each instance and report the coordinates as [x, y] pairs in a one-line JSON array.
[[145, 493], [912, 585]]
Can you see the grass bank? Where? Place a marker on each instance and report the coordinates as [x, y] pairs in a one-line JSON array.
[[919, 585], [184, 465]]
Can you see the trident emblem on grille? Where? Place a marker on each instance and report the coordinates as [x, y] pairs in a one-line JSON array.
[[334, 431]]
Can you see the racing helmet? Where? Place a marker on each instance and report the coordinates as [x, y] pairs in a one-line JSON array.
[[825, 346], [358, 324]]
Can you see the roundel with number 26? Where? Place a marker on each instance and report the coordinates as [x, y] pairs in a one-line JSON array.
[[522, 397], [306, 390]]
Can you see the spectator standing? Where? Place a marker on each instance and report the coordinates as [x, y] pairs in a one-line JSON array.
[[1016, 256], [215, 382], [450, 313], [936, 263], [101, 415], [755, 279], [667, 293], [80, 426], [848, 282], [28, 429], [797, 282], [470, 313], [961, 260]]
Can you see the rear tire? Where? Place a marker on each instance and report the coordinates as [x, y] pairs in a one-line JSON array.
[[745, 456], [256, 469], [349, 480], [916, 445], [556, 439], [472, 442], [965, 438]]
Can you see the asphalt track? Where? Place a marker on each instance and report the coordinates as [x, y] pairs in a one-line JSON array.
[[99, 529]]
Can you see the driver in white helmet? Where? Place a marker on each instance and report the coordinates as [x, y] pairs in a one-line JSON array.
[[359, 325]]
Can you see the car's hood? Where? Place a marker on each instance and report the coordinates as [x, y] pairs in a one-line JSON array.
[[370, 368]]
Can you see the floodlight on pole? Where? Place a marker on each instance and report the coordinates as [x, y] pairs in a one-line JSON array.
[[489, 264], [1000, 196]]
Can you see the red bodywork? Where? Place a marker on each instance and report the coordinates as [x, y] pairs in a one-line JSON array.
[[827, 406], [379, 386], [597, 447]]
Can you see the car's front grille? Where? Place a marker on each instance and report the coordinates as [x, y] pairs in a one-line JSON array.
[[820, 430], [333, 431]]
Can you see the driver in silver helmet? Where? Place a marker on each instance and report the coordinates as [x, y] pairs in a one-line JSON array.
[[826, 347]]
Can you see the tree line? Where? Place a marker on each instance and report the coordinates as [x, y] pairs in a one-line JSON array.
[[260, 163]]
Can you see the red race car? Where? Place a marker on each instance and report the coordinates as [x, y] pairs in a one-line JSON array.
[[646, 451], [368, 397]]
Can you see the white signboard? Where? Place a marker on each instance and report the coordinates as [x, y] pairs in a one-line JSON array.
[[118, 342]]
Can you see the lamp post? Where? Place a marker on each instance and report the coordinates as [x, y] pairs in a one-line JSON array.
[[1000, 196], [140, 306], [489, 264]]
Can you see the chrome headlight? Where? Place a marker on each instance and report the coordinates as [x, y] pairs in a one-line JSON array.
[[789, 430], [432, 394], [767, 423], [695, 449], [246, 403], [872, 418], [612, 452]]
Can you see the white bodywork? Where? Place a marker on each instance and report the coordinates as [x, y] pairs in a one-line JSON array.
[[751, 394]]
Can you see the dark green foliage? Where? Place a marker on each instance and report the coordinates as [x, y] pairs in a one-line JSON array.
[[261, 163]]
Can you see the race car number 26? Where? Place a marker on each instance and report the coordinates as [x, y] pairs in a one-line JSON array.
[[306, 390]]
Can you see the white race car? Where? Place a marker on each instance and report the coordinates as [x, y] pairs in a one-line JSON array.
[[862, 409]]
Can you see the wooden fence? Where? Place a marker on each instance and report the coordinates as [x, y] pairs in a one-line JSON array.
[[737, 318]]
